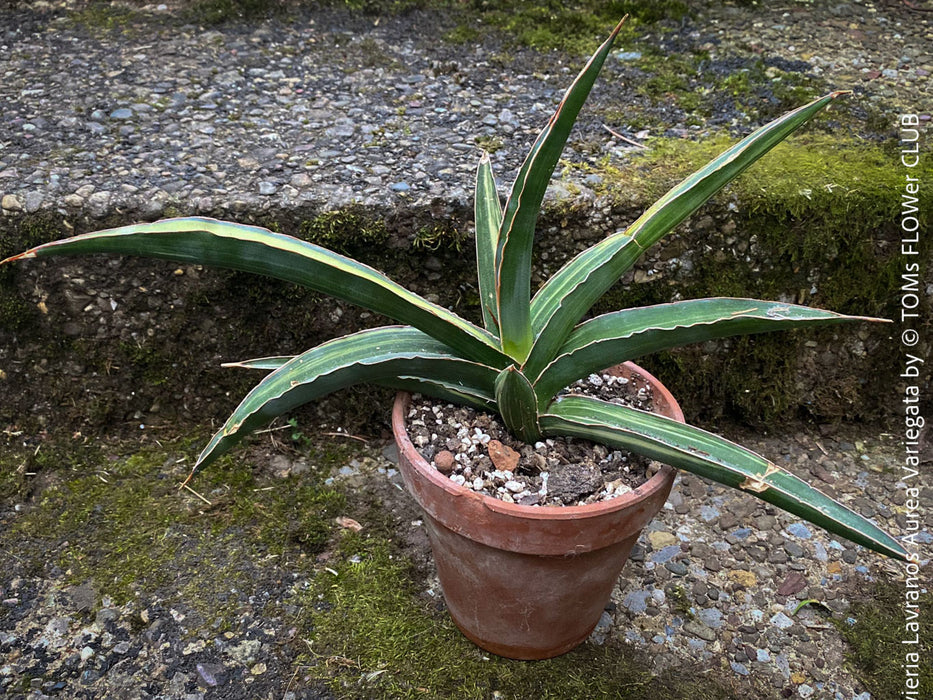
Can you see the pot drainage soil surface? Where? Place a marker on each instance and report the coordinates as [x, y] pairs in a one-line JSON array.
[[475, 450]]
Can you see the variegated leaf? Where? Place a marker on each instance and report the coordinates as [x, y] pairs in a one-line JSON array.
[[515, 399], [626, 335], [713, 457], [513, 259], [488, 215], [376, 355], [570, 293], [257, 250], [479, 398]]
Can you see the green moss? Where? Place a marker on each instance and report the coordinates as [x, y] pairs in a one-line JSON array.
[[122, 522], [764, 92], [292, 512], [386, 7], [375, 638], [752, 377], [20, 465], [575, 27], [15, 312], [30, 231], [127, 507], [104, 16], [155, 368], [13, 477], [680, 601], [212, 12], [693, 88], [490, 144], [345, 230], [875, 632], [108, 499], [795, 170], [669, 73], [438, 236]]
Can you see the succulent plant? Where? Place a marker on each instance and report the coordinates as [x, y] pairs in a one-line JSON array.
[[529, 347]]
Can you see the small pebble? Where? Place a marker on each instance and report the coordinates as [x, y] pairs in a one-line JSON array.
[[444, 461], [514, 486]]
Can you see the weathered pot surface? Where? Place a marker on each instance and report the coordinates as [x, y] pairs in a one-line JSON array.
[[529, 582]]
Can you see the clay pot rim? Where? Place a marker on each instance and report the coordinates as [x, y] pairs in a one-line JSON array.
[[656, 483]]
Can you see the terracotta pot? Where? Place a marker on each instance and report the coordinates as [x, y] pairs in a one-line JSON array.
[[529, 582]]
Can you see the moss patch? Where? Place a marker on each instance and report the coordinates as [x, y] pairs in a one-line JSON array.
[[344, 230], [702, 90], [815, 223], [374, 638], [104, 16], [438, 237], [220, 11], [875, 632], [15, 312], [576, 27], [121, 521]]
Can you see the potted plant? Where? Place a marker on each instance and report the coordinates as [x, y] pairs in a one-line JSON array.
[[522, 581]]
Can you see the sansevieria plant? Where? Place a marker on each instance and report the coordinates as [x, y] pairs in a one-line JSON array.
[[529, 347]]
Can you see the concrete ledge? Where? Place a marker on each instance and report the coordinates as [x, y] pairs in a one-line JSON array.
[[365, 137]]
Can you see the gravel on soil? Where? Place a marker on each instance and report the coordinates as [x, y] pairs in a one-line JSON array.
[[717, 578], [474, 450]]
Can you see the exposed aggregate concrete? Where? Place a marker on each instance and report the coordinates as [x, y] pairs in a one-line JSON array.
[[166, 118]]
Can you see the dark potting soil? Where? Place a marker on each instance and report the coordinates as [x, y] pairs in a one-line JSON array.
[[473, 449]]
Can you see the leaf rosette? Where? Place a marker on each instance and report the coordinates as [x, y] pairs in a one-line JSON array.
[[529, 347]]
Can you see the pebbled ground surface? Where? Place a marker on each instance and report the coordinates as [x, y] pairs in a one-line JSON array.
[[147, 115]]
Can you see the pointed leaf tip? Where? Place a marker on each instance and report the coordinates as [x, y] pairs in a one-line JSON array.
[[520, 216], [22, 256], [615, 32]]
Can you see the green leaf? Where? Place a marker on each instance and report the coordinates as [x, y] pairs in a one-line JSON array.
[[257, 250], [569, 294], [811, 601], [479, 399], [513, 257], [376, 355], [625, 335], [516, 402], [713, 457], [488, 215]]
